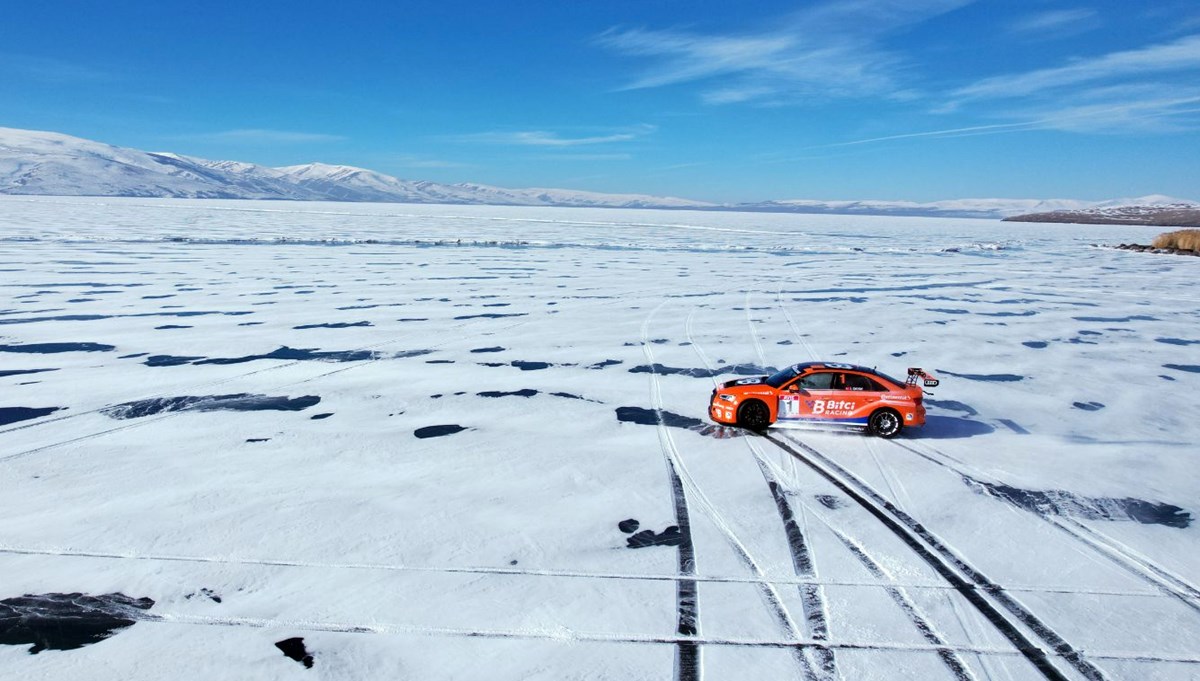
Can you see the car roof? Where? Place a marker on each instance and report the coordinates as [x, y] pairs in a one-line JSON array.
[[839, 366]]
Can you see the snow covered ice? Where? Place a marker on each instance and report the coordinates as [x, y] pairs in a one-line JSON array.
[[394, 433]]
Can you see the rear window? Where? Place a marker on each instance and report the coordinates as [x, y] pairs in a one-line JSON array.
[[860, 382]]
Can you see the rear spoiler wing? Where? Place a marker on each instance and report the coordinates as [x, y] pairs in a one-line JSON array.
[[918, 374]]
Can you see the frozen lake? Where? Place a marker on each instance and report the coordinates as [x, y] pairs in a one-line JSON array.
[[463, 442]]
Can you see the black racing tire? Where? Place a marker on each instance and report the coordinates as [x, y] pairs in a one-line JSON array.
[[885, 423], [754, 415]]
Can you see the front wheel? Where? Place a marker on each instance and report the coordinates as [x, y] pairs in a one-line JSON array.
[[754, 415], [885, 423]]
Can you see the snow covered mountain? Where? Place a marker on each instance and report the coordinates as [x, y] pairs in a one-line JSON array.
[[958, 208], [1160, 211], [48, 163]]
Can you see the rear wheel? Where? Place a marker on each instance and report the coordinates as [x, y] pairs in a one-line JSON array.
[[885, 423], [754, 415]]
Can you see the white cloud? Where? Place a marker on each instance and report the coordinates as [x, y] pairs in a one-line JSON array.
[[1179, 55], [49, 70], [1119, 109], [545, 138], [1056, 21], [583, 157], [831, 50]]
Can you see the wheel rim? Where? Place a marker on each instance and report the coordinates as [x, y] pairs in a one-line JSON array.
[[886, 423], [755, 415]]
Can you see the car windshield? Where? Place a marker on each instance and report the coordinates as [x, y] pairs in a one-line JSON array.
[[782, 376]]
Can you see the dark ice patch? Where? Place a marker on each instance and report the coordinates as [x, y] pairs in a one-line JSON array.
[[94, 317], [438, 431], [321, 417], [1060, 503], [22, 372], [668, 537], [284, 353], [169, 360], [1177, 341], [55, 348], [651, 417], [492, 315], [16, 414], [948, 310], [605, 363], [293, 649], [333, 325], [571, 396], [994, 378], [1192, 368], [258, 439], [524, 392], [736, 369], [829, 501], [58, 621], [235, 402], [205, 593], [1130, 318], [164, 327], [1088, 406], [531, 366], [1037, 345], [628, 526], [496, 348]]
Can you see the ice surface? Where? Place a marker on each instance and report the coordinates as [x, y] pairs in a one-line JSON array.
[[544, 347]]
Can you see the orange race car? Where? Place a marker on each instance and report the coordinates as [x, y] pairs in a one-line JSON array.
[[824, 392]]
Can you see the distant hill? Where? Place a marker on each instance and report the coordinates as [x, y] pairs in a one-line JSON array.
[[52, 164], [1174, 213]]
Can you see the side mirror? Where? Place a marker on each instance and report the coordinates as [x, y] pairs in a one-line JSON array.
[[793, 388]]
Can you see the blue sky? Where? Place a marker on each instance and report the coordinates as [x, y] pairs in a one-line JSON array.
[[849, 99]]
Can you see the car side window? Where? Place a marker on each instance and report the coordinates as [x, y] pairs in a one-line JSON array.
[[862, 383], [817, 381]]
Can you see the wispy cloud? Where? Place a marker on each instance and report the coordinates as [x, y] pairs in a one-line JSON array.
[[830, 50], [50, 70], [1101, 115], [261, 136], [583, 157], [1179, 55], [1056, 21], [546, 138]]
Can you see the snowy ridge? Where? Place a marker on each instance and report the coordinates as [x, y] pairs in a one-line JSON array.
[[53, 164]]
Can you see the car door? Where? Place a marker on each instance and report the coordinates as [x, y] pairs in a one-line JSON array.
[[806, 396]]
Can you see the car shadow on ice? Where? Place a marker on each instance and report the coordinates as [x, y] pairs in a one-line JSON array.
[[950, 428]]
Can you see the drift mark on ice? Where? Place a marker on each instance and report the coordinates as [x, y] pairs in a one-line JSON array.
[[918, 539]]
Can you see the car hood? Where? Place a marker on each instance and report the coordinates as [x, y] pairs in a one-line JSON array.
[[757, 380]]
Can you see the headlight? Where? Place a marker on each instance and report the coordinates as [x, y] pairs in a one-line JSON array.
[[727, 398]]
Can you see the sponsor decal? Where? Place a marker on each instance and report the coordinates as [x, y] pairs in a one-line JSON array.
[[830, 407]]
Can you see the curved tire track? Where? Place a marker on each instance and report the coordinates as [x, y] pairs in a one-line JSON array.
[[951, 567]]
